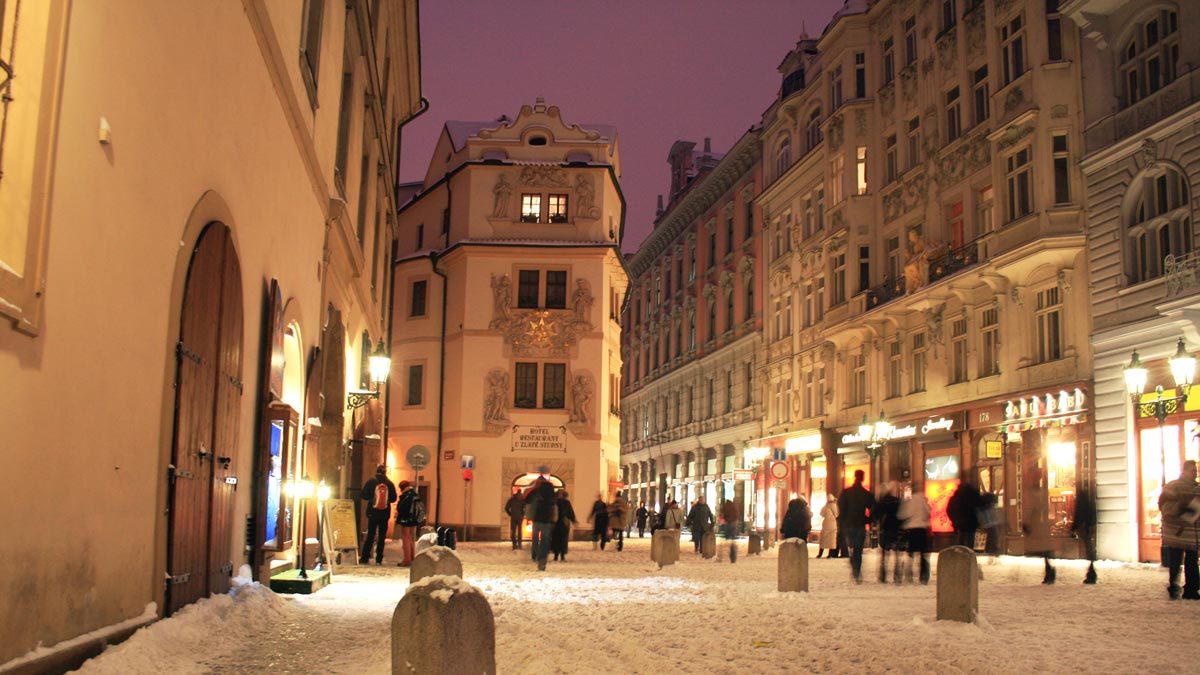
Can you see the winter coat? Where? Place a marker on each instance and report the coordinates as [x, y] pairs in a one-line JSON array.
[[829, 527], [700, 518], [729, 513], [963, 508], [797, 522], [515, 508], [642, 516], [887, 514], [673, 518], [406, 509], [1179, 501], [853, 505], [599, 515], [618, 514], [914, 513], [368, 495], [542, 501]]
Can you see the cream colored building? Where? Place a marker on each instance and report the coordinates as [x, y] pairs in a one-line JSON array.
[[927, 257], [195, 197], [693, 333], [506, 342], [1141, 108]]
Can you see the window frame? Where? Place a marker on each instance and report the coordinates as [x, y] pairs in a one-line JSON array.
[[537, 374], [1018, 181], [1048, 324]]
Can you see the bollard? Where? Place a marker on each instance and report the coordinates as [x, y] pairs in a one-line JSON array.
[[426, 541], [793, 566], [755, 546], [436, 560], [769, 540], [656, 543], [668, 552], [425, 529], [708, 545], [443, 625], [957, 585]]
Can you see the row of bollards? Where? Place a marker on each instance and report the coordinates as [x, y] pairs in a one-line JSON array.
[[444, 625]]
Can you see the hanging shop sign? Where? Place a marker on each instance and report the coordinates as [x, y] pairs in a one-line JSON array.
[[743, 474], [932, 425], [539, 439], [1045, 410]]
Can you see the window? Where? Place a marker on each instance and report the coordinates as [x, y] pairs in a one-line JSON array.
[[712, 245], [835, 88], [914, 142], [864, 268], [982, 94], [530, 291], [657, 290], [838, 292], [985, 217], [690, 401], [958, 351], [728, 390], [910, 41], [711, 399], [667, 281], [783, 156], [341, 154], [893, 257], [691, 331], [1158, 223], [749, 380], [809, 298], [891, 166], [1054, 44], [813, 130], [416, 377], [808, 397], [531, 208], [858, 379], [777, 329], [420, 236], [889, 61], [920, 362], [894, 372], [712, 320], [1062, 169], [748, 308], [837, 178], [821, 389], [525, 386], [1020, 184], [949, 14], [1049, 325], [792, 83], [819, 301], [729, 232], [310, 45], [553, 385], [989, 342], [1012, 49], [417, 306], [860, 75], [678, 338], [558, 208], [953, 116], [748, 230], [729, 310], [954, 220], [860, 164], [691, 262], [1150, 59]]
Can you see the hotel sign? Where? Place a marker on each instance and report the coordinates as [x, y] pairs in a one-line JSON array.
[[539, 439]]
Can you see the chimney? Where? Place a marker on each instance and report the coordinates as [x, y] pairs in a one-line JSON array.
[[707, 145], [660, 205]]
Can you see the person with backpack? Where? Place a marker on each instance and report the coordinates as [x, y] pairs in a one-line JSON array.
[[797, 522], [380, 494], [410, 514]]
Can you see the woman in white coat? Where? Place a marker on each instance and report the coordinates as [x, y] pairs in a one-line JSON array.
[[829, 533]]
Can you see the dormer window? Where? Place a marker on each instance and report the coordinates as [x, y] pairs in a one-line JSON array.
[[792, 83], [537, 140]]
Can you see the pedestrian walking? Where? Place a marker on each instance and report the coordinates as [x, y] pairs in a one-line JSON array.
[[380, 494], [700, 522], [963, 510], [542, 506], [618, 518], [642, 516], [797, 521], [562, 527], [515, 508], [599, 520], [1083, 525], [887, 518], [855, 505], [915, 520], [729, 525], [1179, 504], [410, 513], [1038, 540], [829, 528], [672, 518]]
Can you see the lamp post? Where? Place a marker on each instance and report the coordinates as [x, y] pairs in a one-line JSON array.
[[303, 490], [873, 437], [1183, 370]]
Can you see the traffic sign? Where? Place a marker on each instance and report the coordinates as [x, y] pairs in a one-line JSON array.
[[779, 470], [418, 457], [778, 454], [468, 461]]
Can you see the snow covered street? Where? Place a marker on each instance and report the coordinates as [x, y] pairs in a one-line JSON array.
[[616, 612]]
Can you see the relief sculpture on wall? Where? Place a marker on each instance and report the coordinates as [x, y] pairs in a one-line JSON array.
[[502, 192], [581, 400], [495, 407], [502, 302]]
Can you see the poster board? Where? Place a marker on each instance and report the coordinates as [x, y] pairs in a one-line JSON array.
[[340, 532]]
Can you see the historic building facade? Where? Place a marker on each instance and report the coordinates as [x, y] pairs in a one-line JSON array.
[[1141, 110], [508, 285], [692, 340], [194, 262]]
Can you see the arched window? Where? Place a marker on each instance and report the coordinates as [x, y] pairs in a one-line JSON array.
[[1158, 222], [813, 130], [1149, 59], [783, 155]]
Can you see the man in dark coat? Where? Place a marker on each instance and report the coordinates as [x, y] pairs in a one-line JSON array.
[[855, 506], [1083, 525], [515, 508], [887, 518], [699, 521], [599, 519], [379, 493], [963, 509], [1179, 504], [642, 514], [562, 527], [544, 507]]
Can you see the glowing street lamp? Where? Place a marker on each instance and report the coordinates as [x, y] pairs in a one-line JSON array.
[[302, 490], [1183, 371]]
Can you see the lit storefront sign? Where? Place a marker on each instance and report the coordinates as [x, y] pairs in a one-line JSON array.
[[909, 430], [1050, 409], [803, 444]]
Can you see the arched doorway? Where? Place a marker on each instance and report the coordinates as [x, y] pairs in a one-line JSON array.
[[208, 391]]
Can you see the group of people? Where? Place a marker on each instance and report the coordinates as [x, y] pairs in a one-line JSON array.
[[380, 493]]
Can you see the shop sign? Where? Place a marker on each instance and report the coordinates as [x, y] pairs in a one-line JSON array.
[[931, 425], [993, 450], [802, 444], [1050, 409], [540, 439], [743, 474]]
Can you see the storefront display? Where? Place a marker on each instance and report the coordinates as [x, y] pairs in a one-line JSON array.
[[941, 480]]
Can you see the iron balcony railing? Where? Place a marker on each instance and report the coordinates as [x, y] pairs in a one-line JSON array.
[[947, 264]]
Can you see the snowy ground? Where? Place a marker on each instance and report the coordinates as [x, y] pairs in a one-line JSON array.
[[606, 612]]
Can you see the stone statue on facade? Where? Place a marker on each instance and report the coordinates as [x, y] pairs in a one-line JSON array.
[[495, 408], [502, 191], [581, 302], [585, 197], [916, 266], [502, 299], [581, 399]]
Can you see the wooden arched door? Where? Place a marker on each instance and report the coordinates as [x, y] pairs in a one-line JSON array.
[[208, 391]]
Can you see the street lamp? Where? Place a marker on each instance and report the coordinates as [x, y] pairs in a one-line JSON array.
[[1183, 370], [873, 437], [303, 490], [379, 365]]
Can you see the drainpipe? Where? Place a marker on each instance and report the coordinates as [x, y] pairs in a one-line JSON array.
[[433, 259]]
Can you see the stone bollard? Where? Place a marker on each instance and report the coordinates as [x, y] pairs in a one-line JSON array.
[[793, 566], [426, 541], [668, 554], [426, 529], [656, 543], [433, 561], [957, 585], [769, 540], [755, 546], [443, 625], [708, 545]]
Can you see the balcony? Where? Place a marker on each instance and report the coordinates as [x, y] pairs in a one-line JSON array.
[[1182, 92], [953, 261], [1182, 275], [884, 293]]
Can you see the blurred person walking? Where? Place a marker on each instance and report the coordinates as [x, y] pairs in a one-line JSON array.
[[599, 519], [887, 518], [618, 518], [1180, 507], [915, 520], [829, 528], [642, 515], [542, 506], [515, 508], [561, 534], [700, 522], [730, 518], [1083, 525], [855, 505]]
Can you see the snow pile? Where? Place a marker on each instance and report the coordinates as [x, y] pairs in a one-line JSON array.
[[452, 586]]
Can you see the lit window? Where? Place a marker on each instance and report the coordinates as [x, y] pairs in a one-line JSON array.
[[558, 208], [861, 169], [531, 208]]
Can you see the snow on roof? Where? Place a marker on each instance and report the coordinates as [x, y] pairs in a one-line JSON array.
[[460, 132], [848, 7]]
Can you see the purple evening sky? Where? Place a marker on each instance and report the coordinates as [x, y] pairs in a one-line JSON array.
[[658, 70]]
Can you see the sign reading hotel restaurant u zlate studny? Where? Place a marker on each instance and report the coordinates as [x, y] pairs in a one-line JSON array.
[[539, 439]]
